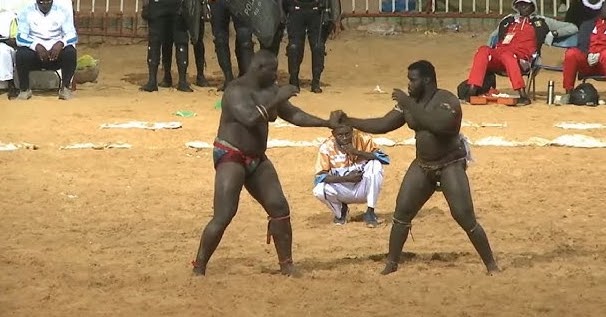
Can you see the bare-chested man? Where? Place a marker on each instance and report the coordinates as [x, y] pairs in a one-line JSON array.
[[248, 104], [441, 156]]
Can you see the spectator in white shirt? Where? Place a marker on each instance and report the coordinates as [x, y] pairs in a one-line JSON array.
[[46, 38], [8, 32]]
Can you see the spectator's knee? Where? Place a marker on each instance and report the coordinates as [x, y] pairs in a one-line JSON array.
[[374, 168], [376, 165], [484, 49], [24, 55], [69, 50], [318, 191]]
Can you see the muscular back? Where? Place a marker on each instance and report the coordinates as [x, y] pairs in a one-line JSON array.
[[238, 105], [437, 125]]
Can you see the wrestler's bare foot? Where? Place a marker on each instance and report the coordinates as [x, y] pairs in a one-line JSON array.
[[390, 267], [290, 270], [199, 269]]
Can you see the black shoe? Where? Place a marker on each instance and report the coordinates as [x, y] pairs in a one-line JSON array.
[[370, 219], [523, 101], [184, 87], [343, 219], [149, 87], [201, 81]]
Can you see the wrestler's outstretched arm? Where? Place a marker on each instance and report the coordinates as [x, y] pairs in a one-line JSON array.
[[244, 109], [442, 116], [298, 117], [393, 120]]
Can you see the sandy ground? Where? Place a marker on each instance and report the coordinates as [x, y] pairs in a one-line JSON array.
[[112, 232]]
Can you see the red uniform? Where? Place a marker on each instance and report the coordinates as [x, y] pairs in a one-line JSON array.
[[575, 60], [519, 43]]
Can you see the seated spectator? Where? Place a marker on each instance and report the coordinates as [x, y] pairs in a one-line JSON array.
[[46, 39], [520, 36], [589, 57], [582, 10], [349, 171], [8, 44]]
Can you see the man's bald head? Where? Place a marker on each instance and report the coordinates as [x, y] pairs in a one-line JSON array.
[[264, 67]]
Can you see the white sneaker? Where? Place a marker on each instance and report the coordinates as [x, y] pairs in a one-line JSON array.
[[564, 100]]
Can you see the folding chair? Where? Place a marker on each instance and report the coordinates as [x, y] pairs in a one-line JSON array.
[[529, 68], [565, 43], [583, 79]]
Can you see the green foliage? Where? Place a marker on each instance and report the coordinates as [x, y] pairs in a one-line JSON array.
[[86, 61]]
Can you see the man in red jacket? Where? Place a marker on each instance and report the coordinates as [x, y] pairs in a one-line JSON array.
[[519, 36], [589, 57]]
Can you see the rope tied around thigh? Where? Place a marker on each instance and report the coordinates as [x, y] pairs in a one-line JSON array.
[[405, 224], [269, 220]]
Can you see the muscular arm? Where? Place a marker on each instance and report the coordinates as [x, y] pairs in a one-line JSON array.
[[365, 155], [298, 117], [441, 117], [389, 122], [242, 107]]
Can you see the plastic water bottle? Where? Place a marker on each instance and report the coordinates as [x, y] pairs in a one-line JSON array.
[[550, 92]]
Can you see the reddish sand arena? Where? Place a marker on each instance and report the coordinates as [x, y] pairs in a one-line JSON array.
[[112, 232]]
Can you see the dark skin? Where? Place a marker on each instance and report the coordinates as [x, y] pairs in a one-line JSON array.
[[243, 126], [344, 136], [435, 116], [53, 54], [524, 8]]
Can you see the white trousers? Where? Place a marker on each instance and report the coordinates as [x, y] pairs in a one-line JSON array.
[[7, 62], [366, 191]]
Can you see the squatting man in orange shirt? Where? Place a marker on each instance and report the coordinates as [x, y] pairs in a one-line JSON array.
[[349, 171]]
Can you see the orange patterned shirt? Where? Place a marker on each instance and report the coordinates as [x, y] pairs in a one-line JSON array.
[[332, 160]]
